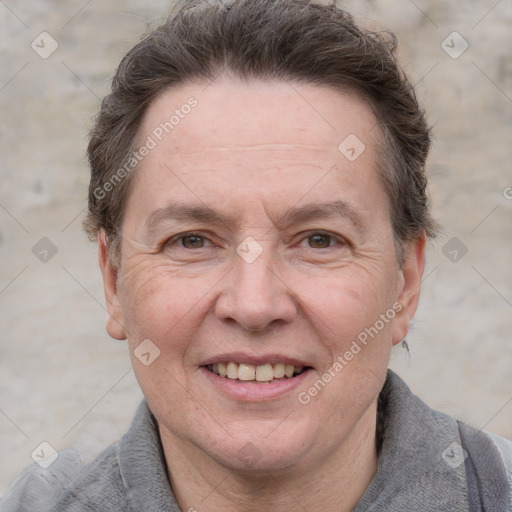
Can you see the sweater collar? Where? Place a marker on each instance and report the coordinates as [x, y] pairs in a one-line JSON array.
[[142, 465], [416, 463]]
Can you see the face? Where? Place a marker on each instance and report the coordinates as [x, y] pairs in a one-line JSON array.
[[253, 245]]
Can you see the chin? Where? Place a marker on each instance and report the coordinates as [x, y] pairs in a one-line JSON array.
[[260, 446]]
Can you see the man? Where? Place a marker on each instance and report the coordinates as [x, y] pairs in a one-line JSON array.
[[258, 194]]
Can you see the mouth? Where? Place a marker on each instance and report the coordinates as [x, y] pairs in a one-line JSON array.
[[252, 378], [246, 372]]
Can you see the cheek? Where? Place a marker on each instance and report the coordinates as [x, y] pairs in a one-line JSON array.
[[345, 313], [159, 305], [166, 310], [345, 303]]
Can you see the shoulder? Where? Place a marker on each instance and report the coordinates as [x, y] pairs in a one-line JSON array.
[[67, 485], [129, 475], [37, 488], [489, 459], [451, 462], [504, 447]]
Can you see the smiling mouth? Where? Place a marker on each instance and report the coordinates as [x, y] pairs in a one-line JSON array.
[[256, 373]]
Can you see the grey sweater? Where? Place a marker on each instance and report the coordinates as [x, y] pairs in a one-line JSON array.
[[427, 462]]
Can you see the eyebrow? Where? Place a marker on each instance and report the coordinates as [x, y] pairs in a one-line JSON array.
[[293, 216], [323, 211], [183, 212]]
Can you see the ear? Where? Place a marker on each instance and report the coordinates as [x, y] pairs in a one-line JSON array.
[[115, 319], [409, 287]]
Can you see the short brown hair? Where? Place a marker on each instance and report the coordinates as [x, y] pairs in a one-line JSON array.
[[288, 40]]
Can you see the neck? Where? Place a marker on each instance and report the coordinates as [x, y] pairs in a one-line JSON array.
[[333, 482]]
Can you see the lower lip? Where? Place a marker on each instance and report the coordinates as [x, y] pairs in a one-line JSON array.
[[254, 391]]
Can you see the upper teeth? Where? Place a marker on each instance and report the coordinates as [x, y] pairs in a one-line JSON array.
[[260, 373]]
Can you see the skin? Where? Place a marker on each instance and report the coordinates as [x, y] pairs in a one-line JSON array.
[[252, 152]]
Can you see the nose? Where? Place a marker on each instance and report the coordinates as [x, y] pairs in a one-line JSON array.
[[255, 296]]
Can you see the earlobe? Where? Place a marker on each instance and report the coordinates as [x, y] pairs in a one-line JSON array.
[[115, 320], [409, 288]]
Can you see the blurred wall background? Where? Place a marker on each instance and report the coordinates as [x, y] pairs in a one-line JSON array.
[[64, 381]]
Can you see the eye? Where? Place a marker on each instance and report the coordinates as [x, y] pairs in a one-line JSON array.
[[320, 241], [192, 247], [192, 241]]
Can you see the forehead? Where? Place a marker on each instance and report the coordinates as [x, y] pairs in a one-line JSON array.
[[236, 142], [230, 114]]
